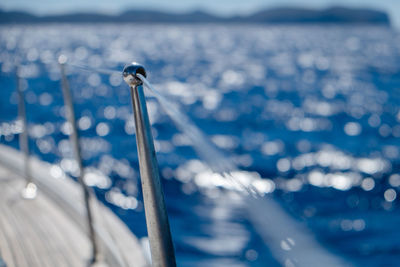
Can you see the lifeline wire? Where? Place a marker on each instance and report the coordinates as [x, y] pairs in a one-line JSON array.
[[210, 154], [91, 69]]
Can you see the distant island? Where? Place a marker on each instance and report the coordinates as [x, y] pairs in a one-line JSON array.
[[334, 15]]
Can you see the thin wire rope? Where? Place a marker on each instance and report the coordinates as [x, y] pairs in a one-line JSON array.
[[92, 69], [210, 154], [215, 160]]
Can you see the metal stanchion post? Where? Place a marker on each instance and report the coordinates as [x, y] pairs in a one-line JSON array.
[[30, 189], [161, 246], [74, 138]]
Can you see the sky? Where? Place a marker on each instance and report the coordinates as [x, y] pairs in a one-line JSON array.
[[220, 7]]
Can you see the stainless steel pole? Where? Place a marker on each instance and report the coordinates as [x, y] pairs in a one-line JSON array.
[[29, 191], [161, 246], [74, 138]]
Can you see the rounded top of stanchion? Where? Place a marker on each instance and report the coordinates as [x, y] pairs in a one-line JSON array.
[[62, 59], [130, 73]]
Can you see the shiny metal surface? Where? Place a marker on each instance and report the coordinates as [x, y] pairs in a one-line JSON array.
[[161, 245], [130, 71], [74, 138]]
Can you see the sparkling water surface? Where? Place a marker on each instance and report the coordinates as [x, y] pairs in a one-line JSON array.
[[312, 112]]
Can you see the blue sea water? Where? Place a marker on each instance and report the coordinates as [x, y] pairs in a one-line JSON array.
[[313, 112]]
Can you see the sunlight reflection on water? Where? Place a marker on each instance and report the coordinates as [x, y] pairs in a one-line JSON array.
[[311, 112]]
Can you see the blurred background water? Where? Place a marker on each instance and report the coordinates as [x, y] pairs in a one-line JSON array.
[[314, 111]]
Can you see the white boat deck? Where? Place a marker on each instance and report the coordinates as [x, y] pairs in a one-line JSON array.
[[50, 229], [35, 232]]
